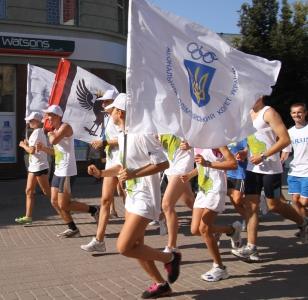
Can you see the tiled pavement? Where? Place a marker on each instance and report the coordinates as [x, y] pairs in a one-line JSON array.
[[35, 264]]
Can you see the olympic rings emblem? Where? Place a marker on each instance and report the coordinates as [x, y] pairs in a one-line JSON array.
[[197, 52]]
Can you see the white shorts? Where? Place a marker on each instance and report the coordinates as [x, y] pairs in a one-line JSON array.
[[211, 201], [182, 163], [142, 207]]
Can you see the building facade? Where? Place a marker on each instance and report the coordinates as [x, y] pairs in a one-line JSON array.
[[90, 33]]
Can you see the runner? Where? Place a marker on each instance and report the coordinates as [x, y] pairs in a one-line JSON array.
[[210, 200], [109, 184], [236, 178], [65, 167], [181, 161], [264, 170], [38, 165], [145, 159], [298, 172]]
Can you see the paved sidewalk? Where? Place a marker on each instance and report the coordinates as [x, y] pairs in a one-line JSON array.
[[35, 264]]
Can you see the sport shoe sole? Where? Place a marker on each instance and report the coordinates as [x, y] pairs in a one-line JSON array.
[[173, 267]]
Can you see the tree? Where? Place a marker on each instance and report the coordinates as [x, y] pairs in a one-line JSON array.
[[283, 37]]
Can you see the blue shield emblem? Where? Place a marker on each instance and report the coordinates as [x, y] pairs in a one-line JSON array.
[[200, 78]]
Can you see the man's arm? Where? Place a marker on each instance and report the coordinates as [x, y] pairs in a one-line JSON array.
[[65, 130], [275, 122]]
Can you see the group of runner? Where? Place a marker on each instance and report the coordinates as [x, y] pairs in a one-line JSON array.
[[135, 164]]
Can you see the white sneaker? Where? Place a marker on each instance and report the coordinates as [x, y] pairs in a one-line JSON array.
[[94, 245], [163, 230], [69, 233], [215, 274], [236, 239], [170, 249], [153, 223], [247, 253]]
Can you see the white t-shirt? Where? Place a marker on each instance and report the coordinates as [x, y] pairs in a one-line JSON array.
[[65, 161], [180, 161], [38, 160], [111, 133], [212, 184], [299, 141], [143, 193], [261, 141]]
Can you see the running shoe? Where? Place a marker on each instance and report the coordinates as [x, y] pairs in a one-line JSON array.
[[94, 245], [157, 290], [170, 249], [153, 223], [163, 230], [173, 267], [247, 253], [236, 240], [215, 274], [69, 233], [24, 220]]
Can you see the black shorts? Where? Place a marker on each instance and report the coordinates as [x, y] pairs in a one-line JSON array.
[[236, 184], [61, 183], [271, 183], [39, 173]]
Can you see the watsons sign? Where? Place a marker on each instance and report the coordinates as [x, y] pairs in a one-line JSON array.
[[36, 46]]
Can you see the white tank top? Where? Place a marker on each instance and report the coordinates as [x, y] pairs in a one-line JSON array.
[[260, 142], [65, 160]]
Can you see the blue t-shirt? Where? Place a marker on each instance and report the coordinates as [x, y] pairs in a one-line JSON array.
[[240, 172]]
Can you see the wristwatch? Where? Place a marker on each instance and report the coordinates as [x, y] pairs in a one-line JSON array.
[[263, 156]]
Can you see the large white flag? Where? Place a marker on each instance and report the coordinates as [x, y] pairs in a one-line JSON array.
[[77, 91], [185, 80], [39, 85]]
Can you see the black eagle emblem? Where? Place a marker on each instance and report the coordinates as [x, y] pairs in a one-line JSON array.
[[89, 101]]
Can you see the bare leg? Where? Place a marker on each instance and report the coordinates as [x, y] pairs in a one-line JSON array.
[[252, 208], [30, 188], [206, 231], [236, 198], [299, 204], [108, 188], [285, 210], [131, 244], [175, 189], [44, 184]]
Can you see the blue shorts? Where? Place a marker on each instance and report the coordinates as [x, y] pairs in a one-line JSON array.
[[298, 185], [63, 184]]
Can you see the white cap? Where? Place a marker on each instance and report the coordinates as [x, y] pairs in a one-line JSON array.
[[54, 109], [35, 116], [119, 102], [109, 95]]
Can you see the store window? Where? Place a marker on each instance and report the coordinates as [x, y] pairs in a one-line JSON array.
[[7, 88], [122, 16], [7, 114], [64, 12], [2, 9]]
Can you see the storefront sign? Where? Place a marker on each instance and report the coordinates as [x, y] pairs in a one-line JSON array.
[[35, 46]]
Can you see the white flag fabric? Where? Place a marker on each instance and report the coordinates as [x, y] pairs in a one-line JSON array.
[[39, 85], [77, 91], [185, 80]]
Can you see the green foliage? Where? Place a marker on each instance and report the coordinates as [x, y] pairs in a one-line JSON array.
[[282, 35]]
